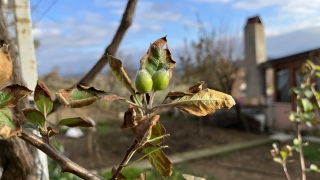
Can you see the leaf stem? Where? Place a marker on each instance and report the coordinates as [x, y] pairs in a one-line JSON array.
[[142, 157], [286, 171], [302, 162], [128, 155]]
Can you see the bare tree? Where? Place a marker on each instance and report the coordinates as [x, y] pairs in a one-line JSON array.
[[213, 57]]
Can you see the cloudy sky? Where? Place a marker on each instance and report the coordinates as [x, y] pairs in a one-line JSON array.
[[74, 33]]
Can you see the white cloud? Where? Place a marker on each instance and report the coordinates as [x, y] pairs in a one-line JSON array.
[[156, 28]]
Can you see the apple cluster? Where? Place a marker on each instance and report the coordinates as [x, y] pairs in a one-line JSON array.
[[145, 82]]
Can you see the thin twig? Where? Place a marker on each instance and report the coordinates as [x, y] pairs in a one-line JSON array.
[[302, 162], [286, 171], [132, 148], [65, 163]]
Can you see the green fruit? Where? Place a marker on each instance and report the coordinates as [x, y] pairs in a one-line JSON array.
[[160, 79], [143, 81]]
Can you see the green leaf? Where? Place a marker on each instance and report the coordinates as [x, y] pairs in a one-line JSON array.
[[292, 116], [203, 103], [80, 96], [158, 58], [315, 168], [75, 122], [120, 73], [307, 105], [30, 126], [157, 130], [35, 117], [318, 74], [284, 154], [307, 93], [157, 159], [9, 124], [10, 95], [42, 98]]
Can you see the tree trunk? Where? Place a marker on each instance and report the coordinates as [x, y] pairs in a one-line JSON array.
[[16, 157]]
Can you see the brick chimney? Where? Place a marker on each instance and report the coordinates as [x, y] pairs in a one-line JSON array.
[[255, 53]]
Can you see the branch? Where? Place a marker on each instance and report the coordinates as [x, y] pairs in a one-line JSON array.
[[66, 164], [111, 49]]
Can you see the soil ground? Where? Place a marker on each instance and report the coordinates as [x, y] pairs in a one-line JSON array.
[[185, 135]]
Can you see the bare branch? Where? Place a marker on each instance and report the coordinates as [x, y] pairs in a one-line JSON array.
[[111, 49], [66, 164]]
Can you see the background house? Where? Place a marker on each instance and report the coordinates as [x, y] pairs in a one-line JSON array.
[[264, 83]]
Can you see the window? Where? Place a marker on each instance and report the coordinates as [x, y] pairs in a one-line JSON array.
[[283, 85]]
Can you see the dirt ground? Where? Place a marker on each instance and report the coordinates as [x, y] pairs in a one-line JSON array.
[[185, 135]]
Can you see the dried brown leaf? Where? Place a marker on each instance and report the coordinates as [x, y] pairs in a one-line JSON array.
[[79, 96], [5, 64], [141, 176], [177, 94], [142, 132], [197, 87], [120, 73], [204, 102], [10, 95], [130, 118]]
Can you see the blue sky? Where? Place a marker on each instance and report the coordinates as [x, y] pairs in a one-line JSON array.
[[74, 33]]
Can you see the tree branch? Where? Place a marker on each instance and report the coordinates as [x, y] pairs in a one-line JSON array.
[[111, 49], [66, 164]]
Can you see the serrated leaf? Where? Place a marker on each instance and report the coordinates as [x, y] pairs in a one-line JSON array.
[[191, 177], [9, 124], [120, 73], [5, 64], [75, 122], [79, 96], [204, 102], [10, 95], [157, 159], [157, 130], [158, 58], [307, 105], [42, 98], [34, 116]]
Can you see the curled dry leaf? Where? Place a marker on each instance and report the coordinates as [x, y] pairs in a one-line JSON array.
[[130, 118], [5, 64], [9, 124], [79, 96], [120, 73], [10, 95], [197, 87], [142, 132], [158, 58], [177, 94], [204, 102]]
